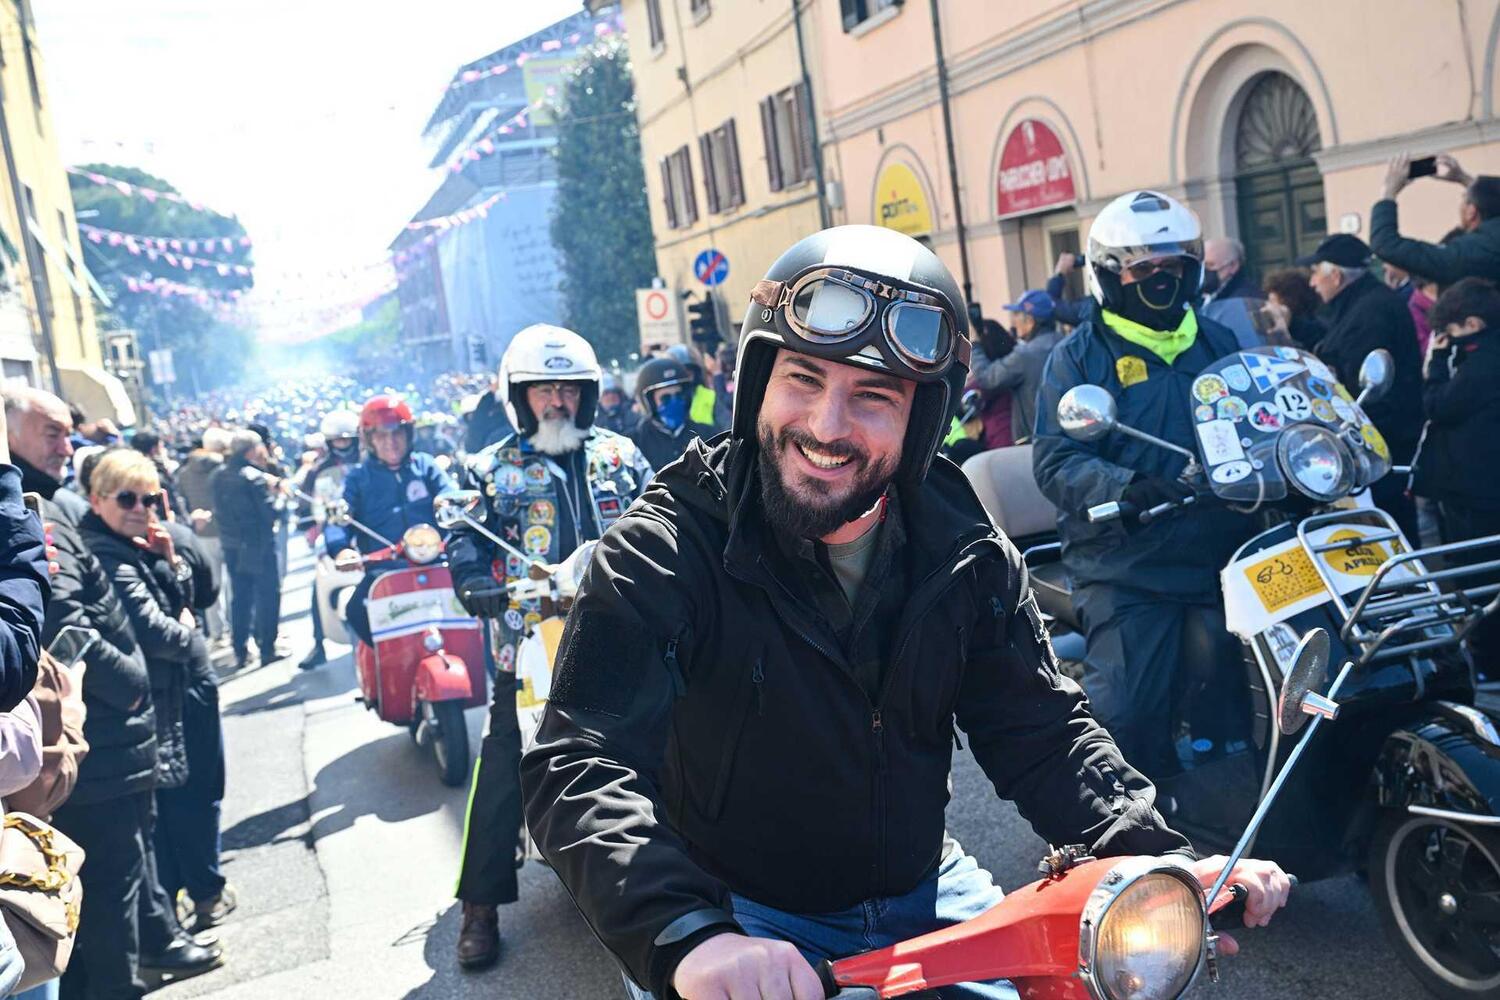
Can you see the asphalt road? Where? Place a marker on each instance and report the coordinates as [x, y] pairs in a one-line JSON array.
[[343, 846]]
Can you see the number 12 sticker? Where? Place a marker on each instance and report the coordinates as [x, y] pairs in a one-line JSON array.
[[1294, 404]]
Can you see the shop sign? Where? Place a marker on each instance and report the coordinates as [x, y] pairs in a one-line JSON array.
[[1035, 174], [900, 203]]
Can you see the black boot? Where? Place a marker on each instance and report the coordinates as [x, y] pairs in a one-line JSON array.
[[316, 658], [183, 959]]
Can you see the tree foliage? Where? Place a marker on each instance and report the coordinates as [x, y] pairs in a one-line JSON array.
[[207, 350], [601, 225]]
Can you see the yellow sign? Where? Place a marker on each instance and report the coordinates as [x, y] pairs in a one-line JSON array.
[[1283, 579], [900, 203], [543, 77], [1130, 370]]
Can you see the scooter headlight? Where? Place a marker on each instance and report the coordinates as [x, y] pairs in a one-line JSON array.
[[1143, 937], [1315, 461], [422, 544], [432, 641]]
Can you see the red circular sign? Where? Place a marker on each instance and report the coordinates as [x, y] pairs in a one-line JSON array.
[[1034, 171], [656, 305]]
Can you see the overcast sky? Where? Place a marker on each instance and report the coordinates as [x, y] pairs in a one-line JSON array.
[[302, 117]]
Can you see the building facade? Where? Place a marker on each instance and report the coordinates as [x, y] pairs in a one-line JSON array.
[[1274, 121], [727, 139], [46, 313]]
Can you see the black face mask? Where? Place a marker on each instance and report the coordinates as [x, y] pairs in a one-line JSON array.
[[1211, 282], [1156, 302]]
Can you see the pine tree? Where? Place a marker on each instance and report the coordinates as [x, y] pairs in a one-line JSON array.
[[600, 222]]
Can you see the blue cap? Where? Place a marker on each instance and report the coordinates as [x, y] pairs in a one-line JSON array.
[[1036, 303]]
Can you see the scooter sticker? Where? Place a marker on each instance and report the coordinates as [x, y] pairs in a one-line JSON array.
[[1130, 370], [1265, 417], [1375, 441], [1232, 408], [510, 479], [1208, 388], [538, 478], [1236, 376], [1231, 472], [1288, 353], [1220, 442], [1323, 410], [542, 512], [505, 658], [1319, 388], [514, 620], [1203, 412], [1267, 372], [1294, 404], [1319, 369], [416, 490], [1344, 409], [538, 540]]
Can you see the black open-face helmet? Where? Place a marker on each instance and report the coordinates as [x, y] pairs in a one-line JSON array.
[[867, 296]]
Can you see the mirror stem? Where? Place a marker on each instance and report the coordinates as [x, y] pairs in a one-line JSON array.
[[1192, 466], [530, 560], [1265, 804]]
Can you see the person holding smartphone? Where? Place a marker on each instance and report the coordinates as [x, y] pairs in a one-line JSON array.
[[1475, 254]]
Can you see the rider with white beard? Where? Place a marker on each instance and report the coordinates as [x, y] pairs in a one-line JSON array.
[[556, 483]]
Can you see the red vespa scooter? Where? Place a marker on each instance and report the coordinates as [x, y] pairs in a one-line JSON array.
[[427, 664], [1130, 928]]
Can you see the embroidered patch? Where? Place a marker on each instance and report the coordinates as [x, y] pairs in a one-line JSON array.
[[1130, 369], [601, 662]]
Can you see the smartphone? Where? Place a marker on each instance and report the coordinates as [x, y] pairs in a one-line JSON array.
[[1425, 167], [71, 644]]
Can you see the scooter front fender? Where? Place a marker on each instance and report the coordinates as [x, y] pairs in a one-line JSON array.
[[1446, 759], [443, 677]]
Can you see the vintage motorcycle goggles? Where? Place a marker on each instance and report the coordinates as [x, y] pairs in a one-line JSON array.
[[834, 313]]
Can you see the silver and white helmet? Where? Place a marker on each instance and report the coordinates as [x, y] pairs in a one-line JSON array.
[[543, 353], [1138, 227], [340, 424]]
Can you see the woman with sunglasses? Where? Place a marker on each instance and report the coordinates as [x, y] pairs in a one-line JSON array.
[[126, 531]]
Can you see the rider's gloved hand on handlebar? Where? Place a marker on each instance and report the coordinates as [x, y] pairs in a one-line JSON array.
[[1145, 492], [483, 597]]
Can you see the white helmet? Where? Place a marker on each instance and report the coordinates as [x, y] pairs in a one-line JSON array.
[[340, 424], [1138, 227], [543, 353]]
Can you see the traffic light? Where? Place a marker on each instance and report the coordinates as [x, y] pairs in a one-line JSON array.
[[705, 322]]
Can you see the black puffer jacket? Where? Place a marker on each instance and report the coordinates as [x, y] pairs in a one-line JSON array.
[[121, 724], [705, 735], [1364, 316], [1461, 444], [168, 644]]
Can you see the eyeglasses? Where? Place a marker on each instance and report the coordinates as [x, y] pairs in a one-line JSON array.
[[568, 392], [836, 309], [1146, 268], [127, 499]]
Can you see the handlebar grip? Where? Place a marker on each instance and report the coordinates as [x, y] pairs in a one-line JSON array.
[[832, 990], [1231, 914], [1113, 511], [1147, 516]]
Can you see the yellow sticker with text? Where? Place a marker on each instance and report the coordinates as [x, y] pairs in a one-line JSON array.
[[1376, 441], [1359, 558], [1284, 579], [1130, 370]]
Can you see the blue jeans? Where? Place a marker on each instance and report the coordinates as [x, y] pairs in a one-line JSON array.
[[959, 890]]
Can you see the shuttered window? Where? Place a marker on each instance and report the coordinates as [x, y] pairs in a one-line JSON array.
[[678, 198], [722, 181], [856, 12], [653, 24], [786, 125]]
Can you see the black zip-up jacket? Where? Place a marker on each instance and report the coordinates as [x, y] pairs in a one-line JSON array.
[[705, 735], [1461, 444], [167, 644], [120, 724], [1362, 317]]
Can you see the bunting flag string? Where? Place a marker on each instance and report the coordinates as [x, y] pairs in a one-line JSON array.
[[168, 288], [471, 76], [464, 217], [175, 260], [487, 146], [180, 244], [132, 190]]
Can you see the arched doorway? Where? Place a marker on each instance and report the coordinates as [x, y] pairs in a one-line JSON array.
[[1278, 188]]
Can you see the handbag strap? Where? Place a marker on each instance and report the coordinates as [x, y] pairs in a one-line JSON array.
[[56, 876]]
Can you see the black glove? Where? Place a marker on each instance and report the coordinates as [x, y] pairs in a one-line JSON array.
[[1145, 492], [483, 597]]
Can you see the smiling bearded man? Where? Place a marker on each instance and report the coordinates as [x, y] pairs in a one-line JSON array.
[[743, 766]]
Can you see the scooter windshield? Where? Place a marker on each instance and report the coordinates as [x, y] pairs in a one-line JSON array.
[[1242, 403]]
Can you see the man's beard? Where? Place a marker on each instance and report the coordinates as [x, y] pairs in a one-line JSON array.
[[558, 435], [817, 513]]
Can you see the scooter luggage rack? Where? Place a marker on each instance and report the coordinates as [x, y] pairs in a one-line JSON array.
[[1395, 612]]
